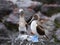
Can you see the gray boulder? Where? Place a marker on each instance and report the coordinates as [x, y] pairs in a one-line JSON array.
[[58, 34], [54, 16], [2, 26], [5, 7], [57, 20]]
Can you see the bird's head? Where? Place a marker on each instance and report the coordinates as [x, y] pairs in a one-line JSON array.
[[36, 17], [21, 12]]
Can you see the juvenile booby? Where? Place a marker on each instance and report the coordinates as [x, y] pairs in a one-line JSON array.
[[22, 26], [36, 27], [22, 22]]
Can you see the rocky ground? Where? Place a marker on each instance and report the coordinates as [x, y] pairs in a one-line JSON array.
[[9, 27]]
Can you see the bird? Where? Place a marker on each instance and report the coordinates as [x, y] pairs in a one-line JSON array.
[[22, 26], [22, 23], [36, 27]]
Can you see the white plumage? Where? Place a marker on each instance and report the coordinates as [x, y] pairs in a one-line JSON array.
[[33, 26], [22, 22]]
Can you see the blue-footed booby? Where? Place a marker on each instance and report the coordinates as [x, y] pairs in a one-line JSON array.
[[36, 27]]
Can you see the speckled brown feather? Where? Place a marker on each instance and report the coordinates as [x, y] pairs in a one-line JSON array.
[[39, 30]]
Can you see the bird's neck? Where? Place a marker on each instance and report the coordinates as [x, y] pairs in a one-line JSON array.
[[34, 23], [22, 15]]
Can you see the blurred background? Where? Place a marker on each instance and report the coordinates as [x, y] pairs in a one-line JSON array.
[[9, 18]]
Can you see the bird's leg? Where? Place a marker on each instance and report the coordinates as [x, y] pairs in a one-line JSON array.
[[45, 34], [32, 33], [46, 37], [43, 30]]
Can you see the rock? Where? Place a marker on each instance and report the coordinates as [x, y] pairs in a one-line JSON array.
[[49, 28], [5, 5], [49, 25], [28, 13], [6, 8], [27, 3], [57, 19], [3, 31], [58, 34], [24, 3], [14, 1], [54, 16], [13, 18], [57, 22], [44, 9], [2, 26], [58, 44], [11, 22], [52, 40]]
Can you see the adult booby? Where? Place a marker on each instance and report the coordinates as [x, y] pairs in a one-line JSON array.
[[22, 22], [36, 27]]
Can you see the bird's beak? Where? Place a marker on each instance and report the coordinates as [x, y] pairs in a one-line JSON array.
[[31, 20]]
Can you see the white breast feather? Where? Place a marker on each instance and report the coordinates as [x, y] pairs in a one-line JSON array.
[[33, 26]]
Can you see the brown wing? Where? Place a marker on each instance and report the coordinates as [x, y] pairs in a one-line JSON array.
[[40, 30]]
